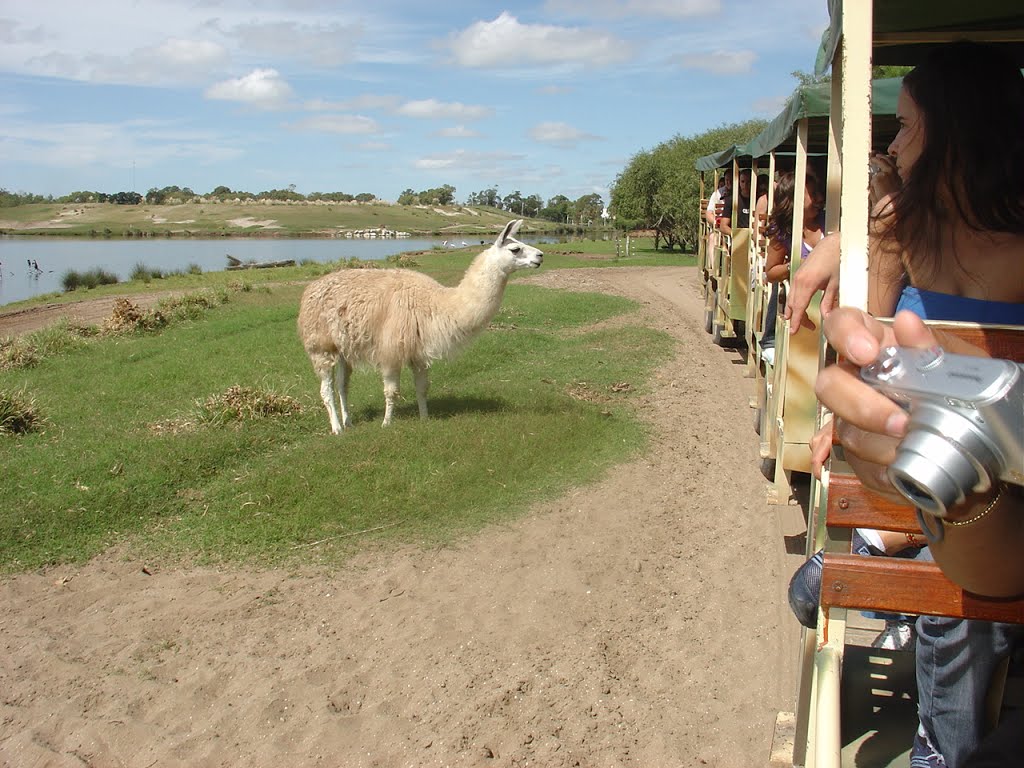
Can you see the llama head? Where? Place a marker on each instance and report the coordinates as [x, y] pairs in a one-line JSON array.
[[510, 254]]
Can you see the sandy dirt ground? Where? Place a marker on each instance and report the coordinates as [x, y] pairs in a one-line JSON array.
[[639, 621]]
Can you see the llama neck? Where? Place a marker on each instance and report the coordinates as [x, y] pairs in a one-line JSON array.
[[477, 297]]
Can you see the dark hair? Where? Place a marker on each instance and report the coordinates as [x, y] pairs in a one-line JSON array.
[[971, 99], [780, 222]]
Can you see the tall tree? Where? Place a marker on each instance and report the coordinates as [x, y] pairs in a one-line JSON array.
[[659, 189]]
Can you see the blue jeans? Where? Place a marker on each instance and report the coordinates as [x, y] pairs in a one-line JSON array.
[[955, 661]]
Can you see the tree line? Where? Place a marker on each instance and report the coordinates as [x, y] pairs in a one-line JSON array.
[[583, 211], [659, 189]]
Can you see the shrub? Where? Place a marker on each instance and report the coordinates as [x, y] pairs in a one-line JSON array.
[[127, 318], [28, 350], [145, 274], [16, 352], [73, 280], [19, 413]]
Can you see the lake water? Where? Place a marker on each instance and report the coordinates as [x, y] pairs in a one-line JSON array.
[[55, 256]]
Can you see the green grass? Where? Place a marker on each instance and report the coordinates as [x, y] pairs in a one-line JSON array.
[[533, 407]]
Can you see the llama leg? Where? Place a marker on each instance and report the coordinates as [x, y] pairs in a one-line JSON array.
[[391, 381], [342, 374], [421, 376], [324, 365]]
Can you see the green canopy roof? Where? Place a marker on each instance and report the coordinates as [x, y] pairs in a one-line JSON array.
[[809, 101], [904, 30]]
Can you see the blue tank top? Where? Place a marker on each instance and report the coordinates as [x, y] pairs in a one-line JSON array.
[[930, 305]]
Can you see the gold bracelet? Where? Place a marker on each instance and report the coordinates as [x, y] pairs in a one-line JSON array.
[[977, 517]]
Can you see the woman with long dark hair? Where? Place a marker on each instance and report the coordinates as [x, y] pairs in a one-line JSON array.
[[947, 244]]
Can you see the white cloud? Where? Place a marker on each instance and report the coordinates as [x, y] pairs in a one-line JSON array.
[[559, 134], [12, 33], [491, 162], [189, 53], [261, 88], [719, 62], [506, 44], [671, 9], [170, 62], [457, 132], [82, 145], [324, 45], [554, 90], [368, 101], [434, 109], [344, 124]]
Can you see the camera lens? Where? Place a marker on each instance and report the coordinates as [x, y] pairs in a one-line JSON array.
[[932, 472]]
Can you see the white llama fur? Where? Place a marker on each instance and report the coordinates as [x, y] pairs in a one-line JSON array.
[[390, 318]]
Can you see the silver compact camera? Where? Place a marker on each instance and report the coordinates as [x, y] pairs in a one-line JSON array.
[[966, 429]]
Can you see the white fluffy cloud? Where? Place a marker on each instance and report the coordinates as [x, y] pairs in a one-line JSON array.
[[507, 44], [261, 88], [559, 134], [366, 101], [434, 109], [324, 45], [458, 132]]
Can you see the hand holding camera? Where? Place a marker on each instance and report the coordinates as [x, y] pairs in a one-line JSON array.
[[966, 428]]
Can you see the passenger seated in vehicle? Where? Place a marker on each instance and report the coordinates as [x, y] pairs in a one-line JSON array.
[[743, 212], [947, 244], [780, 232]]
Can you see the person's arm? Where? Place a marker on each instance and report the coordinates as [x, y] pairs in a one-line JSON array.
[[984, 536], [819, 271], [760, 209], [885, 277], [713, 201], [776, 262]]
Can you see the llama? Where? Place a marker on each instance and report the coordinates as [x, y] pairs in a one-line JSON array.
[[390, 318]]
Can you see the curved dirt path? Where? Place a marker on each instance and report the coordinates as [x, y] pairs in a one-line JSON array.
[[639, 621], [87, 311]]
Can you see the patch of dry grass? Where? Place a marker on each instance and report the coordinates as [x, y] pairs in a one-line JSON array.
[[127, 317], [28, 350], [19, 413], [235, 405]]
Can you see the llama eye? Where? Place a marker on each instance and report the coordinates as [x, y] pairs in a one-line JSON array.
[[515, 249]]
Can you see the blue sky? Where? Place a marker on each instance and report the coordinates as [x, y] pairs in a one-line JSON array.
[[547, 98]]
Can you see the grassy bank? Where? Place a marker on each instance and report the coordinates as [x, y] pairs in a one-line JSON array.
[[446, 264], [142, 441], [252, 220]]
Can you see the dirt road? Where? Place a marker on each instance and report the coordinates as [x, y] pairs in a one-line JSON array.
[[639, 621]]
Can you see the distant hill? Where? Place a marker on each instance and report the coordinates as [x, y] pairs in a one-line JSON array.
[[256, 219]]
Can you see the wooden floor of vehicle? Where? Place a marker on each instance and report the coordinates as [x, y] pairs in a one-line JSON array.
[[879, 701]]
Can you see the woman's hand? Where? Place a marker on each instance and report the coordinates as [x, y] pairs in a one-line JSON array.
[[868, 424], [819, 271], [884, 180], [821, 447]]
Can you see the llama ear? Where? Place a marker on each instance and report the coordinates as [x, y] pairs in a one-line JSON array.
[[509, 232]]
